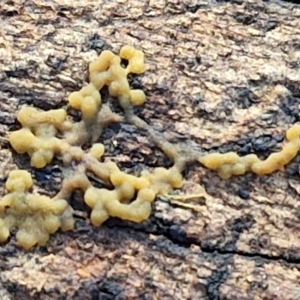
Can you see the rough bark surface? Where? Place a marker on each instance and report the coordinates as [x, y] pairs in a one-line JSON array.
[[223, 76]]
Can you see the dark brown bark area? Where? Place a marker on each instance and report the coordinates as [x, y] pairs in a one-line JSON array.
[[222, 77]]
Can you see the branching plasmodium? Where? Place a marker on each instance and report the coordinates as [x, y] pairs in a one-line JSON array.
[[48, 134]]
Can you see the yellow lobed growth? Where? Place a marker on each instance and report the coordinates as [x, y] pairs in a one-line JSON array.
[[230, 163], [37, 137], [97, 150], [163, 181], [87, 100], [106, 203], [118, 178], [276, 161], [30, 117], [120, 203], [135, 59], [40, 149], [19, 181], [35, 216], [293, 133], [107, 70]]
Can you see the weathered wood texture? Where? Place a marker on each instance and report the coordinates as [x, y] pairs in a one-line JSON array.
[[222, 77]]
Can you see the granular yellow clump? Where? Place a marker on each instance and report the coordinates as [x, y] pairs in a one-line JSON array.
[[35, 216]]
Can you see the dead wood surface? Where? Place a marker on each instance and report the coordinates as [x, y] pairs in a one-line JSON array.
[[222, 77]]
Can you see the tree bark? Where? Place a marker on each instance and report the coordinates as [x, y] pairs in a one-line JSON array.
[[222, 76]]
